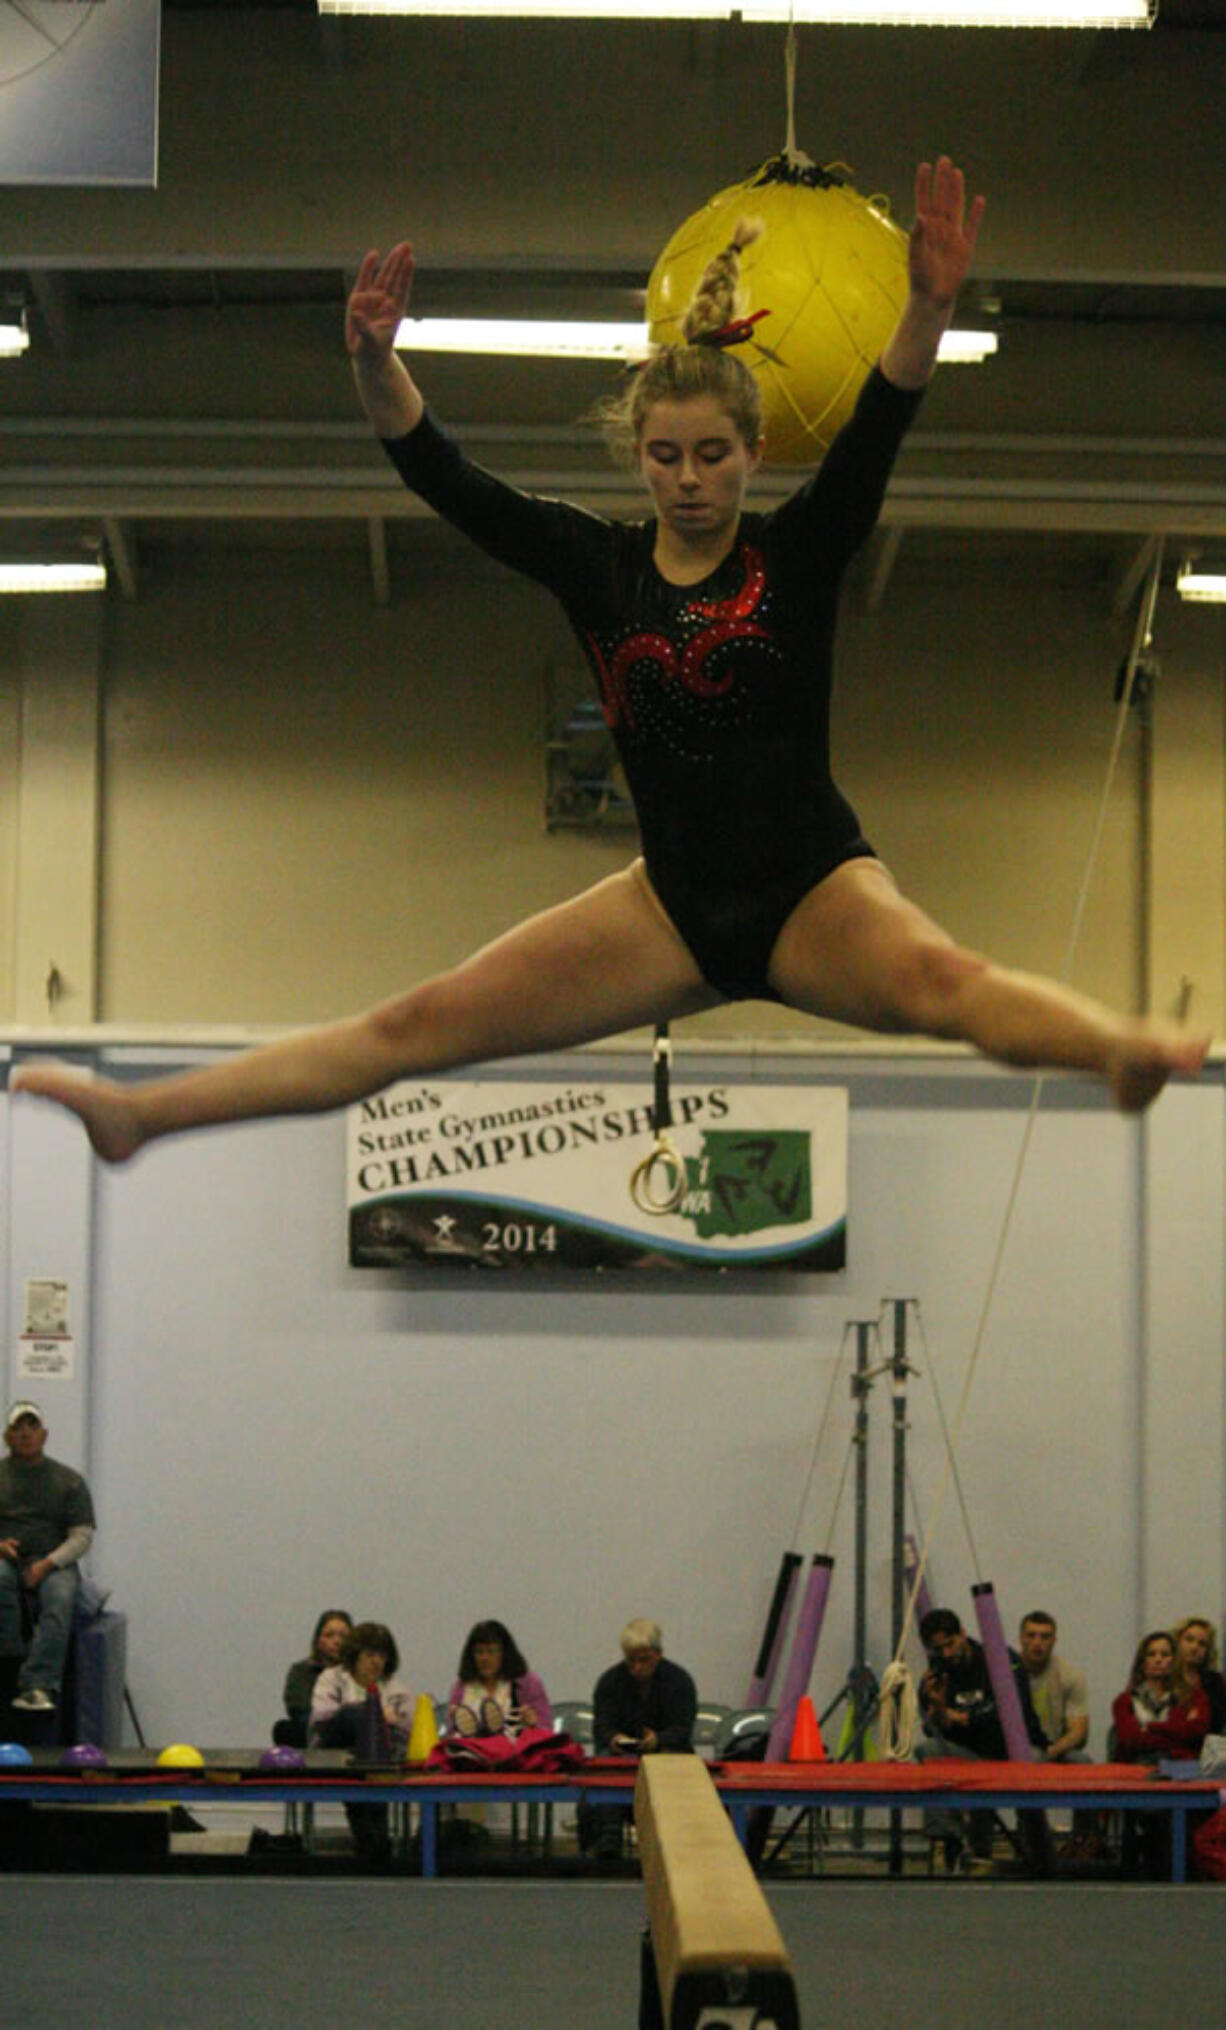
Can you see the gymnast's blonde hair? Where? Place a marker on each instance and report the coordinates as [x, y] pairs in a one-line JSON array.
[[693, 366]]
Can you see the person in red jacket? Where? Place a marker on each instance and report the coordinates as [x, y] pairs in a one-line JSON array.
[[1152, 1723], [1153, 1719]]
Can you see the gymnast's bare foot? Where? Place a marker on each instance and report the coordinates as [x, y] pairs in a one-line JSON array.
[[107, 1109], [1147, 1055]]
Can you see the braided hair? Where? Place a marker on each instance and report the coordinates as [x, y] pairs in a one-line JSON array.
[[696, 365]]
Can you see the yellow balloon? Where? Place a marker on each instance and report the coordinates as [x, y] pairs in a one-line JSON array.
[[180, 1756], [831, 270]]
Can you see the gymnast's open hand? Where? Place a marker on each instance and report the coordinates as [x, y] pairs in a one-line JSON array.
[[379, 299], [942, 242]]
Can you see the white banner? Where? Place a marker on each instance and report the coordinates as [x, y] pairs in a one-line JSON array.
[[79, 91], [537, 1175]]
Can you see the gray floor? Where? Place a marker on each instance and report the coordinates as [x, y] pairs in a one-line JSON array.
[[148, 1953]]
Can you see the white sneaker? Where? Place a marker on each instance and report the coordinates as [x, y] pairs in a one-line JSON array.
[[34, 1701]]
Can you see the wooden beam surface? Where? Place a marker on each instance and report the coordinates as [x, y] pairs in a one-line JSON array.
[[714, 1938]]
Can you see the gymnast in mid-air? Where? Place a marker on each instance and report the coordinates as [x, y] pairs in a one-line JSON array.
[[709, 630]]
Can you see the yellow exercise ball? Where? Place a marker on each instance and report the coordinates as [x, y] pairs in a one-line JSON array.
[[830, 269]]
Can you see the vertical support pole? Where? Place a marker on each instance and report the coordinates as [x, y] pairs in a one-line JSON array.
[[860, 1387], [898, 1555], [898, 1558]]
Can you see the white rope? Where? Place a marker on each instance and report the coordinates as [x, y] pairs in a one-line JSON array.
[[1141, 636], [817, 1442], [789, 66], [795, 156], [898, 1724], [976, 1567]]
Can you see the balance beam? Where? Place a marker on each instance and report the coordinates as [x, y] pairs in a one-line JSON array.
[[718, 1955]]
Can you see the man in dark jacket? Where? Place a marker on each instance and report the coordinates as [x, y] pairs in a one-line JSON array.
[[644, 1705], [958, 1702]]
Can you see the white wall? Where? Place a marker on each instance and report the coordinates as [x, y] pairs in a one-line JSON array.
[[272, 1432]]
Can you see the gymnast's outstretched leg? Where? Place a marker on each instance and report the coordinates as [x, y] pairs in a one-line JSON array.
[[608, 960], [855, 950]]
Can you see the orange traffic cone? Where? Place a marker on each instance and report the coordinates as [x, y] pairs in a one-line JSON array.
[[807, 1743]]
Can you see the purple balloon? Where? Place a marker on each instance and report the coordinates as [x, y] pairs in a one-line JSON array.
[[83, 1755], [281, 1760]]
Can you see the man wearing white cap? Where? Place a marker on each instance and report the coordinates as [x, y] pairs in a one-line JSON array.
[[46, 1525]]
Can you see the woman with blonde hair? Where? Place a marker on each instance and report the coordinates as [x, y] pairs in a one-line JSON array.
[[709, 631], [1197, 1667]]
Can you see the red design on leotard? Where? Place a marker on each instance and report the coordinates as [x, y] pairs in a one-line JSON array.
[[731, 623]]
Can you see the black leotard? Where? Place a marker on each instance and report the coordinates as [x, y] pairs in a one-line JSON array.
[[718, 694]]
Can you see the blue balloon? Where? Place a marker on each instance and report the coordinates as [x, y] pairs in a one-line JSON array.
[[14, 1756]]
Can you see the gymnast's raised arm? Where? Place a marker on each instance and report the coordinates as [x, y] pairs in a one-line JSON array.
[[549, 540], [379, 300], [939, 254]]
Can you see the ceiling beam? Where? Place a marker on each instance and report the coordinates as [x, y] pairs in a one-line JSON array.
[[1130, 578], [56, 298], [122, 553]]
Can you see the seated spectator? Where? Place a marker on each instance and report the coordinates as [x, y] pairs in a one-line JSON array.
[[340, 1709], [644, 1705], [958, 1704], [300, 1679], [1153, 1719], [1062, 1707], [956, 1694], [494, 1691], [1196, 1663], [1057, 1690], [46, 1526]]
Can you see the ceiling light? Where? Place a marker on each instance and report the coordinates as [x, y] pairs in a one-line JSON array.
[[967, 348], [30, 577], [550, 338], [889, 13], [643, 10], [14, 338], [962, 13], [1193, 581], [568, 339]]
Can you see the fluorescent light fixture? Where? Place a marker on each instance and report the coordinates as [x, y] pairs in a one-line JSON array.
[[967, 348], [548, 338], [641, 10], [887, 13], [78, 577], [1193, 582], [962, 13], [14, 340], [565, 339]]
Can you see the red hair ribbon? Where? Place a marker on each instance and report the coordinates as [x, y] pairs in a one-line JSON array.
[[734, 333]]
